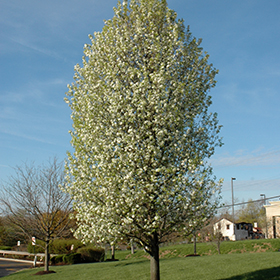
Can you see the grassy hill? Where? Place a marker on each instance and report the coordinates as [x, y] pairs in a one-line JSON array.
[[252, 259], [231, 266], [208, 249]]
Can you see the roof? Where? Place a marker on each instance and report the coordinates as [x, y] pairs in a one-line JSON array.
[[273, 203], [224, 219], [241, 223], [244, 223]]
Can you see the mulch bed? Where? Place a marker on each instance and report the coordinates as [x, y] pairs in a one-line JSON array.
[[44, 272]]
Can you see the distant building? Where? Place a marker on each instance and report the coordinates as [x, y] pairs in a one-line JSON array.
[[257, 233], [273, 219], [233, 231]]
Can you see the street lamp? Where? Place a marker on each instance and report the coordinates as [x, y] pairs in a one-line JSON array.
[[264, 198], [232, 179]]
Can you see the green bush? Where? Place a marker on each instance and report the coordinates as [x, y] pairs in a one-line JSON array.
[[72, 258], [5, 248], [63, 246], [39, 247], [57, 246], [57, 259], [84, 255], [91, 254]]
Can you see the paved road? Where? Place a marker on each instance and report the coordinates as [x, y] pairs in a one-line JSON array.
[[7, 267]]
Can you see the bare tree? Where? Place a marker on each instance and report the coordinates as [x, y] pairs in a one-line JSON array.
[[33, 201]]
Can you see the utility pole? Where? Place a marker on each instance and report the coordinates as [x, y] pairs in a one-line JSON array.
[[264, 203], [232, 196]]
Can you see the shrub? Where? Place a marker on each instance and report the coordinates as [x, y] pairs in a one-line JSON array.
[[39, 247], [72, 258], [91, 254], [5, 248], [57, 246], [83, 255], [57, 259], [63, 246]]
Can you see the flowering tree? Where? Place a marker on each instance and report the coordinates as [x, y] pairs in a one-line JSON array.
[[142, 131]]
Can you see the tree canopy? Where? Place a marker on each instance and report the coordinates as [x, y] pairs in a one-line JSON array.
[[142, 130], [253, 212]]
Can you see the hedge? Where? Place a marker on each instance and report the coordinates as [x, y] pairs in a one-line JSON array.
[[84, 255], [91, 254], [57, 246]]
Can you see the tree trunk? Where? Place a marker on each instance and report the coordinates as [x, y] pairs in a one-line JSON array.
[[219, 248], [219, 243], [47, 255], [154, 263], [113, 252], [219, 237], [131, 246], [194, 243]]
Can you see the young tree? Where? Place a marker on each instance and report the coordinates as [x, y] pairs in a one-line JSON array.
[[33, 201], [142, 131], [252, 212]]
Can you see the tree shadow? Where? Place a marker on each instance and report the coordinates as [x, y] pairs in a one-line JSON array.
[[131, 263], [266, 274]]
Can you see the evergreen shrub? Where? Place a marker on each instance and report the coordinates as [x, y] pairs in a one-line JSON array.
[[72, 258], [6, 248], [56, 259], [39, 247], [91, 254], [57, 246], [63, 246]]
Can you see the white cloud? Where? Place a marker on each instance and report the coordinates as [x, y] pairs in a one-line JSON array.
[[26, 136], [241, 158], [34, 47]]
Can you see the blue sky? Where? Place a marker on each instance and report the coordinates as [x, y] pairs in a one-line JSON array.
[[41, 41]]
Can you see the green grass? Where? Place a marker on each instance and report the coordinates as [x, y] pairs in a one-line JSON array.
[[207, 249], [231, 266]]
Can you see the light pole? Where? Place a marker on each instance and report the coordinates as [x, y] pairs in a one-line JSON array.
[[264, 203], [264, 198], [232, 179]]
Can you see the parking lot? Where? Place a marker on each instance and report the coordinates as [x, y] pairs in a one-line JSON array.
[[10, 266]]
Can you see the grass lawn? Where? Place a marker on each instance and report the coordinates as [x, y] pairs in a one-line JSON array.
[[231, 266], [209, 248]]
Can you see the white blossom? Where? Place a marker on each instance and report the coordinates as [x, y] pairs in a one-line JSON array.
[[142, 130]]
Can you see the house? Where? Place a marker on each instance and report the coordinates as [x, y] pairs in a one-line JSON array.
[[273, 219], [233, 231]]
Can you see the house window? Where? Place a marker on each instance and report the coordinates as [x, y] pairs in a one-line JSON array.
[[228, 226], [219, 226]]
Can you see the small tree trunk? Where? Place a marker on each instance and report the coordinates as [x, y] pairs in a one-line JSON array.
[[47, 255], [219, 248], [219, 243], [194, 244], [113, 252], [154, 263], [131, 246]]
